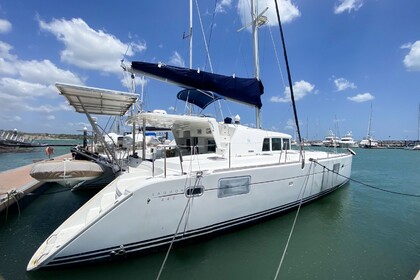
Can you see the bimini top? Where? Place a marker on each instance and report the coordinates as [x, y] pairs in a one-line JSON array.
[[198, 97], [96, 100], [244, 90]]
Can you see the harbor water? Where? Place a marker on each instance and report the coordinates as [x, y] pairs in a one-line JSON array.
[[356, 232]]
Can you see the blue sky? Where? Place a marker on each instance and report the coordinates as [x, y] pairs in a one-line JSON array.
[[345, 56]]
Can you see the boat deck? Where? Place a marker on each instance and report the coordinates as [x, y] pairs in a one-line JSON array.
[[17, 183]]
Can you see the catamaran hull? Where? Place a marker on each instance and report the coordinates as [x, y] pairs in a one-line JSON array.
[[145, 218]]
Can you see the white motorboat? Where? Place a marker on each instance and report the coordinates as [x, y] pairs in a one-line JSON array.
[[347, 141], [368, 143], [226, 175], [331, 140], [66, 172]]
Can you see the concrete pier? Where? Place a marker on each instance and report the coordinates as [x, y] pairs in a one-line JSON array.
[[17, 183]]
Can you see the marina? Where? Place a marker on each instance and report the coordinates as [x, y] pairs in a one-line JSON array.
[[199, 169], [335, 237]]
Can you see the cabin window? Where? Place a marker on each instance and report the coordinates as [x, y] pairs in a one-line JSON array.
[[276, 144], [233, 186], [211, 146], [286, 144], [194, 191], [266, 145]]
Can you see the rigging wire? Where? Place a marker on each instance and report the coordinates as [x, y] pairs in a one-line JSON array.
[[211, 29], [277, 57], [292, 96], [205, 41], [364, 184]]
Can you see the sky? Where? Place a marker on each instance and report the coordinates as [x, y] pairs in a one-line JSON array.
[[352, 62]]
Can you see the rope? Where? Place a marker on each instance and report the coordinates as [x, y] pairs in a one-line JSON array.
[[294, 222], [12, 194], [364, 184], [289, 77], [198, 178]]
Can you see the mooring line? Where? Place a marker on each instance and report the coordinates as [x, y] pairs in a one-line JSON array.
[[295, 220], [362, 183]]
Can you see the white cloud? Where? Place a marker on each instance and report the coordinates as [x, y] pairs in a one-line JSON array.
[[17, 88], [362, 97], [16, 119], [65, 107], [300, 90], [5, 49], [80, 125], [6, 67], [45, 72], [342, 84], [221, 6], [5, 26], [88, 48], [290, 125], [177, 60], [42, 109], [288, 11], [127, 82], [412, 59], [50, 117], [348, 5]]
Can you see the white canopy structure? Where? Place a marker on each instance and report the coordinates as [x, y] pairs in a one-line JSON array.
[[98, 101]]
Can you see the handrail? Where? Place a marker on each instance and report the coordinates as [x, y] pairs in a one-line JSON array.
[[164, 159]]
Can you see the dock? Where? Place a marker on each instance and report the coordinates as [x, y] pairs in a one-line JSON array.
[[16, 183]]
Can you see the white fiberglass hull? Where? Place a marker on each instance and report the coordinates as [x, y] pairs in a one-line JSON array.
[[137, 213]]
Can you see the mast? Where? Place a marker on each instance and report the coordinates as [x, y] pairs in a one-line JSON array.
[[254, 19], [190, 36], [191, 33], [418, 126], [370, 123]]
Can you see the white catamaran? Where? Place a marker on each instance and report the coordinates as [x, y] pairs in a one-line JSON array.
[[224, 176]]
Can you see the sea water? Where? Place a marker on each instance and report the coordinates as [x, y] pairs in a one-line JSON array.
[[356, 232], [23, 156]]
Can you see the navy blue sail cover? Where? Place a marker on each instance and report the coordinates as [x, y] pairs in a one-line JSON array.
[[245, 90], [198, 97]]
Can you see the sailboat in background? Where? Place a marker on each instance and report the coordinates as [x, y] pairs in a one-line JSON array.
[[369, 141], [417, 147], [226, 175]]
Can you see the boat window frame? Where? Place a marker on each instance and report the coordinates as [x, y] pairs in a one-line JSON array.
[[266, 146], [276, 143], [229, 191], [286, 144], [193, 190]]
